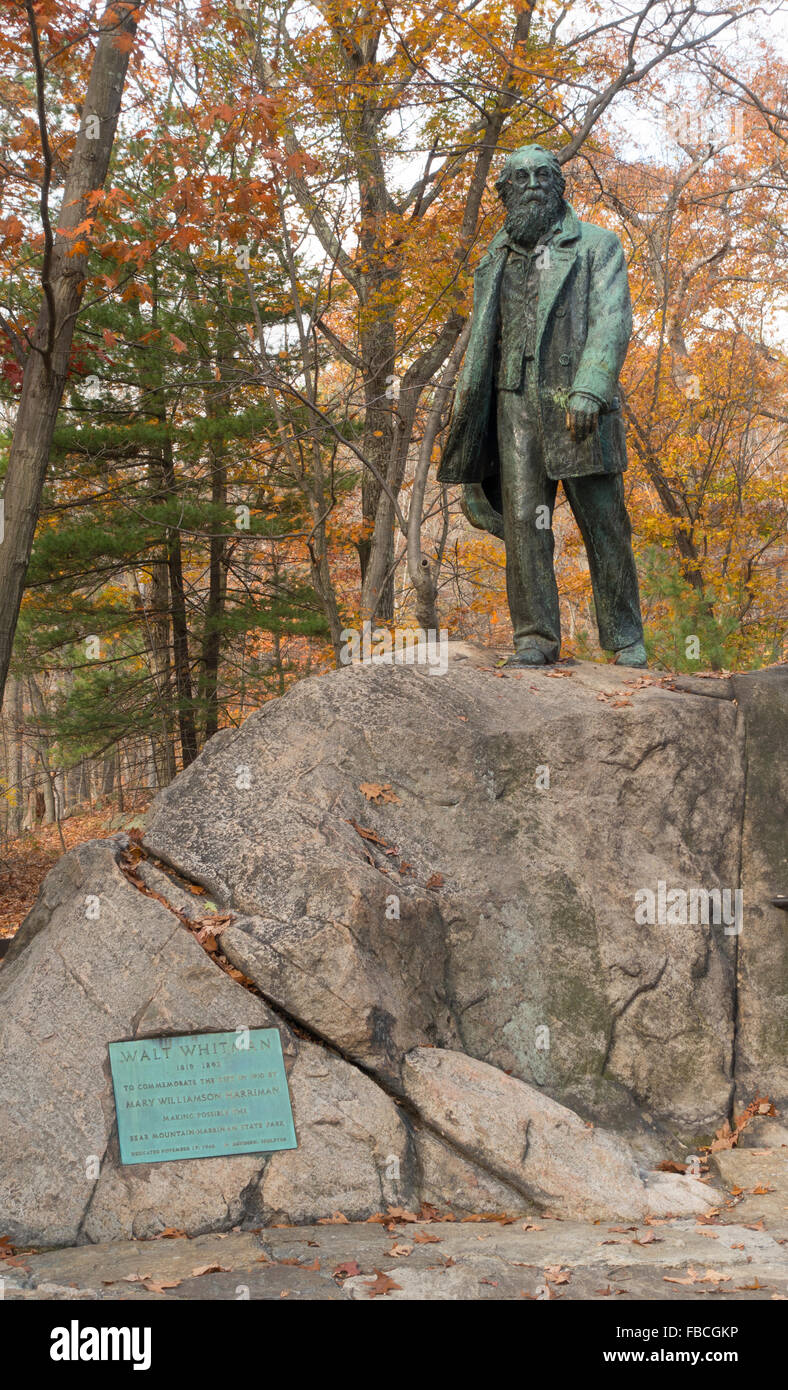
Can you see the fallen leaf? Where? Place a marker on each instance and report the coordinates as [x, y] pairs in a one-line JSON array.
[[380, 1285], [543, 1293], [435, 881], [368, 834], [727, 1137], [348, 1270], [211, 929], [335, 1219], [400, 1250], [424, 1238], [429, 1213], [400, 1214], [208, 1269], [378, 791]]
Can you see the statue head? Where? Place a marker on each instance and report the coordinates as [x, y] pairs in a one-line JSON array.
[[531, 187]]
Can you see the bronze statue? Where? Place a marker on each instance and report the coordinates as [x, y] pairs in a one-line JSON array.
[[537, 403]]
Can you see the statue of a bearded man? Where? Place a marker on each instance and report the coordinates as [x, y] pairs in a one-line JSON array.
[[537, 403]]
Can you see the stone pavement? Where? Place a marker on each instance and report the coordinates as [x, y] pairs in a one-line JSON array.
[[738, 1254]]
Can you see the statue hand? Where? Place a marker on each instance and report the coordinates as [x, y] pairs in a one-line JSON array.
[[582, 416]]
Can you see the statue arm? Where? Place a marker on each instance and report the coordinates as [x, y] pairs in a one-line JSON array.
[[609, 323]]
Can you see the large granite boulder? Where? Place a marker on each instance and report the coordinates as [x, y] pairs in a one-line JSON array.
[[436, 890], [484, 899]]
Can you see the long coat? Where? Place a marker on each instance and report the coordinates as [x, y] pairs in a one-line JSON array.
[[583, 326]]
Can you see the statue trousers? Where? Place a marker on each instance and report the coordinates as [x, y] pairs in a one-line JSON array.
[[598, 506]]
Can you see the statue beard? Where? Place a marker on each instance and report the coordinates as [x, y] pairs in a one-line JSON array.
[[530, 215]]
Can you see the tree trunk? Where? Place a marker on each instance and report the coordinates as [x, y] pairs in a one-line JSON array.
[[63, 280], [217, 570], [39, 711], [180, 629], [14, 724]]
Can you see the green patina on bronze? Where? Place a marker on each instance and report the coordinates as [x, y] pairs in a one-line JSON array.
[[201, 1095], [537, 403]]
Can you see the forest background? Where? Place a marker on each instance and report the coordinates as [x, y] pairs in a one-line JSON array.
[[237, 240]]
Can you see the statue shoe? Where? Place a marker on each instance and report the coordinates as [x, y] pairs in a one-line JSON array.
[[633, 655], [529, 656]]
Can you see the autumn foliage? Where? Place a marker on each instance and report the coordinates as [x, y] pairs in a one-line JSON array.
[[276, 287]]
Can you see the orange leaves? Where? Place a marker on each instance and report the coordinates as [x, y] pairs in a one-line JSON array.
[[378, 792], [381, 1284], [183, 238], [727, 1138], [693, 1276], [138, 291], [11, 228], [71, 232]]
